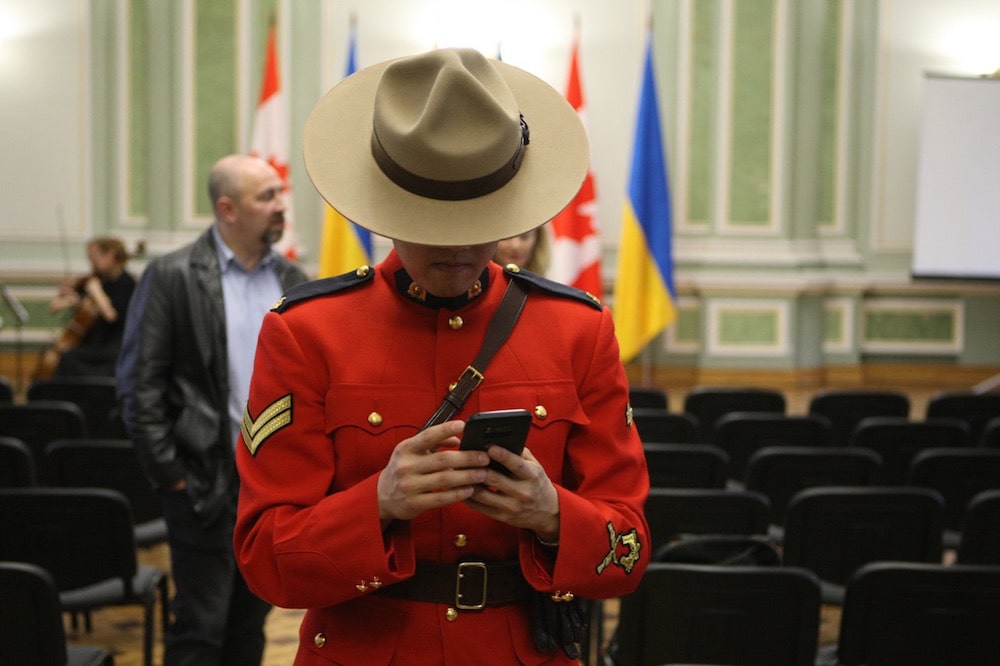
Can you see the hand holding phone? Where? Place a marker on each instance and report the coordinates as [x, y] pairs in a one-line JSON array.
[[504, 427]]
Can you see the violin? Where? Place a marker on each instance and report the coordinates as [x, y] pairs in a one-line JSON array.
[[87, 312]]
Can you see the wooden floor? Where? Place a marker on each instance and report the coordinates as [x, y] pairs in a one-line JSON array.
[[120, 629]]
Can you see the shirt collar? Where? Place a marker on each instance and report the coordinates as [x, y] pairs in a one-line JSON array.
[[227, 258]]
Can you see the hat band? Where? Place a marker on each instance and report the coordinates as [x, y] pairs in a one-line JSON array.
[[450, 190]]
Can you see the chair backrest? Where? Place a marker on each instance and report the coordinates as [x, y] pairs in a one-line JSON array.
[[921, 615], [6, 390], [832, 531], [976, 409], [847, 407], [17, 466], [79, 535], [981, 530], [39, 423], [898, 439], [709, 403], [958, 473], [105, 463], [95, 396], [991, 434], [658, 425], [647, 396], [685, 465], [741, 434], [779, 472], [31, 624], [672, 512], [686, 613]]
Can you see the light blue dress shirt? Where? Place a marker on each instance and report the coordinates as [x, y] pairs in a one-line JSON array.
[[248, 296]]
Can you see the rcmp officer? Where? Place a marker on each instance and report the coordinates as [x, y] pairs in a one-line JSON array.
[[405, 549]]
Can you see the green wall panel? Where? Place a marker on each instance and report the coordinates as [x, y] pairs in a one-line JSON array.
[[704, 81], [215, 99], [750, 327], [750, 149], [909, 326], [829, 130], [138, 103]]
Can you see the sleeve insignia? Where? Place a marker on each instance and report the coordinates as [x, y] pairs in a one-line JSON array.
[[275, 416], [620, 542]]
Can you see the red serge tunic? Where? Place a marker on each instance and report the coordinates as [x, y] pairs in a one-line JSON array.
[[344, 374]]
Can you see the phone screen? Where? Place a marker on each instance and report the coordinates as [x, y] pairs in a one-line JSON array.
[[506, 427]]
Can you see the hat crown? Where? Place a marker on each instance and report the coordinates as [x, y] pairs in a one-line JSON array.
[[448, 117]]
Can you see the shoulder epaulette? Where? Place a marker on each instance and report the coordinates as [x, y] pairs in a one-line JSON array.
[[552, 287], [324, 287]]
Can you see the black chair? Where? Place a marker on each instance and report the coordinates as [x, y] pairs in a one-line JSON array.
[[647, 396], [659, 425], [847, 407], [981, 530], [921, 615], [898, 439], [976, 409], [17, 466], [673, 513], [111, 463], [991, 434], [95, 396], [31, 624], [706, 614], [685, 465], [709, 403], [959, 474], [832, 531], [84, 538], [40, 422], [6, 390], [741, 434], [780, 472]]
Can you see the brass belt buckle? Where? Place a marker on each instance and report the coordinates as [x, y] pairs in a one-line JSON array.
[[462, 568]]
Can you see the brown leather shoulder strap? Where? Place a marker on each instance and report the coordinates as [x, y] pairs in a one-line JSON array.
[[496, 334]]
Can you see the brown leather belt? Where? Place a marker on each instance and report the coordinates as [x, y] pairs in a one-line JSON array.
[[466, 585]]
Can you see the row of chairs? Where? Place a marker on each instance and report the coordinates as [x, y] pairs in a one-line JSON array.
[[843, 408], [779, 472], [84, 539], [894, 613]]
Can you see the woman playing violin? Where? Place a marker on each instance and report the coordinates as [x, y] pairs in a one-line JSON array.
[[89, 344]]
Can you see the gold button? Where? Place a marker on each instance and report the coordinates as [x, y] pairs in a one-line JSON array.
[[451, 614], [375, 419], [461, 540], [319, 640], [513, 268], [376, 583], [362, 586], [362, 271], [541, 412], [455, 323], [451, 387], [569, 596]]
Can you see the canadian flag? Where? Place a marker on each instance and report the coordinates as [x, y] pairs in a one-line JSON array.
[[269, 139], [576, 240]]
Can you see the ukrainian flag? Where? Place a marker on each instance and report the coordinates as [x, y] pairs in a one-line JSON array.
[[645, 298], [343, 245]]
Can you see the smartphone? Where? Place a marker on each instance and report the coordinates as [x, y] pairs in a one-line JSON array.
[[504, 427]]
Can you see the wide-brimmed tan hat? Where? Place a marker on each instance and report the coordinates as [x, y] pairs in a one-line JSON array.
[[445, 148]]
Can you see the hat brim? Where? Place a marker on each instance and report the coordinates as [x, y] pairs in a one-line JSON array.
[[339, 161]]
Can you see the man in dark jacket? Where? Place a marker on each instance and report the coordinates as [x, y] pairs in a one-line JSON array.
[[184, 376]]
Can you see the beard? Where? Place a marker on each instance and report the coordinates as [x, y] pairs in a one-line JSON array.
[[274, 232]]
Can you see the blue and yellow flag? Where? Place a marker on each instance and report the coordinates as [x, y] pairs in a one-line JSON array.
[[343, 245], [645, 298]]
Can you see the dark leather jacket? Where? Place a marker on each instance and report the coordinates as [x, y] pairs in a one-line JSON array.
[[173, 374]]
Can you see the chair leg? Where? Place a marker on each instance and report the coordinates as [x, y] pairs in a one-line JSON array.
[[147, 633], [165, 604]]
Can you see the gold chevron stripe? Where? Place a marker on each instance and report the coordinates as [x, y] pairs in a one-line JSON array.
[[275, 416]]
